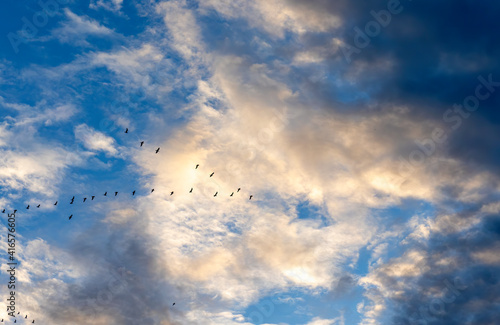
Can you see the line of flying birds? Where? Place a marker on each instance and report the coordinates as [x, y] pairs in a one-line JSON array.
[[15, 320], [133, 192]]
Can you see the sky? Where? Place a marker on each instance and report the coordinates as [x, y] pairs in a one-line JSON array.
[[366, 132]]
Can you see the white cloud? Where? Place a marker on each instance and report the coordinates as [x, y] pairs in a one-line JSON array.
[[95, 140]]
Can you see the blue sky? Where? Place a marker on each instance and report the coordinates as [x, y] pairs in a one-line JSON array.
[[367, 133]]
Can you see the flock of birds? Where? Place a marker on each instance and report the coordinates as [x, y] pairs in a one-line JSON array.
[[92, 197], [15, 320]]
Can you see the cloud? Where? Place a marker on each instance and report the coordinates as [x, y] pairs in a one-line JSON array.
[[95, 140]]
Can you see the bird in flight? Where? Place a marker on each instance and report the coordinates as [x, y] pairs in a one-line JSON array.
[[142, 143], [84, 199], [15, 211], [197, 165], [56, 203], [251, 196], [133, 193], [212, 174], [38, 206], [157, 150], [93, 196], [172, 193], [216, 194], [126, 130], [231, 194], [105, 194], [3, 211], [152, 190], [189, 191], [116, 193], [71, 216], [26, 316], [28, 207], [173, 304], [238, 189], [72, 200]]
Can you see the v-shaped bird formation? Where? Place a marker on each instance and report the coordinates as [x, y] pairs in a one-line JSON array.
[[72, 201]]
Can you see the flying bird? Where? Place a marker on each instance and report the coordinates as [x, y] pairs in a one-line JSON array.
[[116, 193], [212, 174], [126, 130], [71, 216], [172, 193], [133, 193], [173, 304], [3, 211], [238, 189], [105, 194], [93, 196], [142, 142], [215, 194], [38, 206], [197, 165], [15, 211], [26, 316], [251, 196], [191, 190], [152, 190], [84, 199], [56, 203], [28, 207], [231, 194], [157, 150]]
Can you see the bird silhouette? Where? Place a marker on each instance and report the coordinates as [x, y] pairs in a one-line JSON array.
[[56, 203], [197, 165], [84, 199], [191, 190], [33, 322], [142, 142], [251, 196], [15, 211], [152, 190], [157, 150], [126, 130], [71, 216], [133, 193], [215, 194], [73, 198], [238, 189], [28, 207], [212, 174], [106, 194], [26, 316], [232, 194], [172, 193], [3, 211], [173, 304], [38, 206], [116, 193], [93, 196]]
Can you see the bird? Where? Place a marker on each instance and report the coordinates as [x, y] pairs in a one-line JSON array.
[[172, 193], [26, 316], [238, 189], [197, 165], [84, 199], [142, 143], [105, 194], [173, 304], [212, 174], [38, 206], [152, 190], [133, 193], [15, 211], [126, 130], [33, 322], [157, 150], [116, 193], [28, 207], [191, 190], [251, 196], [93, 196], [215, 194], [71, 202], [231, 194], [3, 211], [56, 203], [72, 198], [71, 216]]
